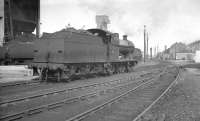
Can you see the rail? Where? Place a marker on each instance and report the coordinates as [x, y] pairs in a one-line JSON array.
[[57, 91], [109, 102], [58, 104], [154, 102]]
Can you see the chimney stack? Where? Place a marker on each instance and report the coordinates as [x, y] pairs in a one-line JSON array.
[[125, 37]]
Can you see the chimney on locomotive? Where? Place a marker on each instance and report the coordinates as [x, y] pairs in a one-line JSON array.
[[125, 37]]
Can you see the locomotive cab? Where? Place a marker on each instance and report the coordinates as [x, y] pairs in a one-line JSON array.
[[111, 40]]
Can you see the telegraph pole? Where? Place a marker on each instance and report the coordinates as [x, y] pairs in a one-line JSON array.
[[151, 52], [144, 42], [165, 47], [147, 44], [175, 50], [158, 51]]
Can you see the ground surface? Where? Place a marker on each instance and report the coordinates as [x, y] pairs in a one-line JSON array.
[[76, 106], [182, 103]]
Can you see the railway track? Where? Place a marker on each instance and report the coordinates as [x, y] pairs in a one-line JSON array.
[[111, 85], [26, 90], [129, 106], [53, 91], [48, 106], [29, 83], [62, 88], [55, 104], [20, 83]]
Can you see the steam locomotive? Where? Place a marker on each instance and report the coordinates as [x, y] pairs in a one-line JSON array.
[[18, 51], [20, 19], [70, 52]]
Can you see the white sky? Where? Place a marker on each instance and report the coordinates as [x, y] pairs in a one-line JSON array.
[[167, 21]]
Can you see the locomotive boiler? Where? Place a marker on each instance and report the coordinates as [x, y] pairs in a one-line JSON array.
[[18, 51], [126, 48], [21, 18], [70, 52]]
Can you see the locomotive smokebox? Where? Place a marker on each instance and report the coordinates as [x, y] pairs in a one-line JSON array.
[[125, 37]]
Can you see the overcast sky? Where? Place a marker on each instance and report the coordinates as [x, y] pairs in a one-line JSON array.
[[167, 21]]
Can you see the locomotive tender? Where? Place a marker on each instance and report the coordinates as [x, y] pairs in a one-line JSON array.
[[70, 52]]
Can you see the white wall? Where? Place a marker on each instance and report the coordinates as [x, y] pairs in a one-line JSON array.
[[1, 21], [197, 56], [185, 56]]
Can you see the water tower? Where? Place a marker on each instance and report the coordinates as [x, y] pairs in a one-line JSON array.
[[102, 21]]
